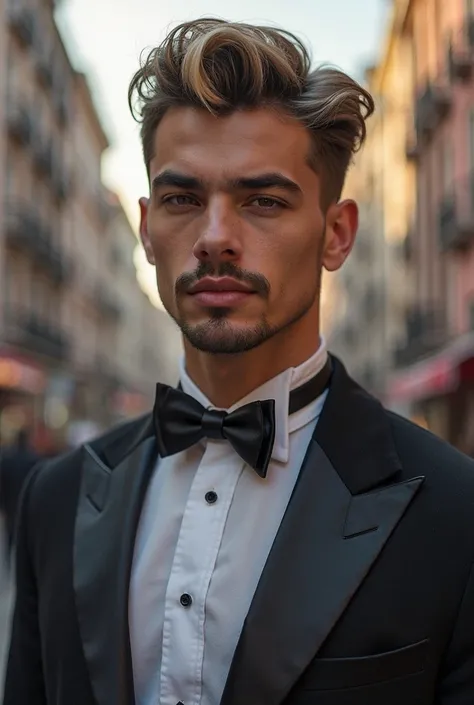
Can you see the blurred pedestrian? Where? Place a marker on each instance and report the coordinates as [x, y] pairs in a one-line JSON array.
[[16, 462], [270, 534]]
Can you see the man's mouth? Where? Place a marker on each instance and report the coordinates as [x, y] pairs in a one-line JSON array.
[[222, 291]]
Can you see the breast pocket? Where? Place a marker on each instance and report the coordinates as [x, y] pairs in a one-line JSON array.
[[381, 678]]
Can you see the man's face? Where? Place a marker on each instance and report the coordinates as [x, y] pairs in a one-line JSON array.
[[234, 226]]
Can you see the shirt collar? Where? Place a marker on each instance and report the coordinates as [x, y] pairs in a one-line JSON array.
[[278, 388]]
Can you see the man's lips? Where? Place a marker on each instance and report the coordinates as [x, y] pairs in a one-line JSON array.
[[221, 284], [224, 292]]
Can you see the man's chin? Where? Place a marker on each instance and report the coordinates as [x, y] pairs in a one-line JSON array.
[[221, 337]]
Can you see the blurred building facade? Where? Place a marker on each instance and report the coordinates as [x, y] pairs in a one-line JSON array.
[[75, 327], [421, 147], [374, 282]]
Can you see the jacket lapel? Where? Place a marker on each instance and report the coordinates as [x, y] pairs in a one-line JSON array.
[[337, 522], [114, 482]]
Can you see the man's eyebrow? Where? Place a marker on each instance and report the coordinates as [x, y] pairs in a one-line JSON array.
[[269, 180], [175, 178], [248, 183]]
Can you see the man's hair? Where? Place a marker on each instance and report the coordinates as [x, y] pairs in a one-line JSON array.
[[224, 66]]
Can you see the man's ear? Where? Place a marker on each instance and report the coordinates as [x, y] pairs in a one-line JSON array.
[[144, 236], [342, 220]]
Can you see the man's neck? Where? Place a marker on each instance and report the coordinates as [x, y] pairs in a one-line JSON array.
[[225, 379]]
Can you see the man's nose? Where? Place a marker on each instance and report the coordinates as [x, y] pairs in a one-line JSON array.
[[219, 240]]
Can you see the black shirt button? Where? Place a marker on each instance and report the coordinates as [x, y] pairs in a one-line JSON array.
[[211, 497], [186, 600]]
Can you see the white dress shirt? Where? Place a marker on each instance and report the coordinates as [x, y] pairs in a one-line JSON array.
[[206, 529]]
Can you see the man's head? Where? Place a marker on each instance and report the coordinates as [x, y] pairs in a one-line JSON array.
[[246, 151]]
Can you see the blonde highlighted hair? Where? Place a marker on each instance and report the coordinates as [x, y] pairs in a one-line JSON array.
[[224, 66]]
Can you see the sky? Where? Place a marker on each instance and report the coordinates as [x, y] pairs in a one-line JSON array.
[[105, 38]]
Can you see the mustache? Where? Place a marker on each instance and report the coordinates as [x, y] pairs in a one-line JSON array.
[[257, 282]]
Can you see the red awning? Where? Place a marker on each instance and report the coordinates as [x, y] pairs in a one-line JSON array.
[[20, 374], [434, 376]]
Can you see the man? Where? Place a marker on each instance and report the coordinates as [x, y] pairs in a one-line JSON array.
[[270, 534]]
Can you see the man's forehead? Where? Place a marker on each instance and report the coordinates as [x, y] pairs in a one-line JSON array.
[[185, 126], [257, 141]]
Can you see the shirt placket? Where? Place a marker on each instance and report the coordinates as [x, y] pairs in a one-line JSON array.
[[197, 548]]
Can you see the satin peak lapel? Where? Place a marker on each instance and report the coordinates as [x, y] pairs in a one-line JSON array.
[[325, 546], [107, 517]]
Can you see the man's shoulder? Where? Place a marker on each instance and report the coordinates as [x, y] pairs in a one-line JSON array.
[[426, 454]]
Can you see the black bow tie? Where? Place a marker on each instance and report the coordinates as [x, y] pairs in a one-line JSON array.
[[180, 421]]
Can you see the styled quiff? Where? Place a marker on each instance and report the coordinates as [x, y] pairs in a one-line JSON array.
[[224, 66]]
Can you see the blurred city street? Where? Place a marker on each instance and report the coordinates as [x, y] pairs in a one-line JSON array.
[[89, 328]]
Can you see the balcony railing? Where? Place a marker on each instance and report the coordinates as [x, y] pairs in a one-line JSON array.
[[31, 331], [50, 256], [456, 216], [432, 106], [461, 52], [22, 23], [44, 68], [20, 126], [44, 159], [425, 333], [20, 232], [25, 230]]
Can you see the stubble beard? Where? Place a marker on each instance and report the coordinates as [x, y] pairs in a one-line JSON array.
[[217, 335]]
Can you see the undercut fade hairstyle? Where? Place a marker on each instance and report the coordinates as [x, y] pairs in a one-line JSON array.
[[224, 66]]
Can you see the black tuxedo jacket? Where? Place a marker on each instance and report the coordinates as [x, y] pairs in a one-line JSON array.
[[367, 597]]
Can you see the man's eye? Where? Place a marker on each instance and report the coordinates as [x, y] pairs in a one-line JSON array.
[[267, 203], [180, 200]]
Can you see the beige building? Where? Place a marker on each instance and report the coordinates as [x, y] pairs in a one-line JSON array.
[[80, 343], [435, 376], [375, 285], [38, 88]]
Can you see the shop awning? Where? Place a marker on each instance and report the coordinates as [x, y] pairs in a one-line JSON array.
[[19, 374], [434, 376]]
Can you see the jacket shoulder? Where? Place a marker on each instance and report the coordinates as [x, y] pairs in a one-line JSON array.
[[57, 477]]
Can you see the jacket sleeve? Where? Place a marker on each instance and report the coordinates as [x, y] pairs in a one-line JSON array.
[[24, 682], [456, 685]]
